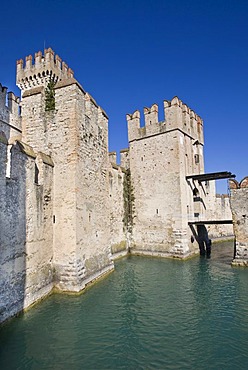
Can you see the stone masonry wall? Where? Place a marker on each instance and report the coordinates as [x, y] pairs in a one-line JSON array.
[[239, 207], [75, 134], [217, 208], [93, 207], [39, 229], [161, 155], [119, 236], [25, 239], [10, 120], [12, 234]]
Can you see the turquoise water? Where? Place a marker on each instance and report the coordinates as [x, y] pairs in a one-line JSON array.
[[148, 314]]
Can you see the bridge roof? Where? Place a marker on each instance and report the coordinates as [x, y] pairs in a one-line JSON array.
[[211, 176], [210, 222]]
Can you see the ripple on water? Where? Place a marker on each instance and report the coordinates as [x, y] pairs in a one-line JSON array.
[[148, 314]]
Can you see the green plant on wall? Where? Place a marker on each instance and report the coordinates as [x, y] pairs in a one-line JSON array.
[[128, 219], [50, 96]]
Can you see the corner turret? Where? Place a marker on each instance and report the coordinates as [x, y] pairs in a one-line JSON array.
[[133, 121]]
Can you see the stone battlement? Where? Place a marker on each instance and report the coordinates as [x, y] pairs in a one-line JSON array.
[[234, 184], [177, 115], [124, 157], [9, 108], [3, 93], [45, 67]]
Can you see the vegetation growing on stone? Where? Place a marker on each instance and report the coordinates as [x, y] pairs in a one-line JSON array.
[[128, 197], [50, 96]]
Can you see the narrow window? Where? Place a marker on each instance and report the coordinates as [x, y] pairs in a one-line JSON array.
[[36, 174], [157, 211], [54, 219], [197, 159], [111, 183]]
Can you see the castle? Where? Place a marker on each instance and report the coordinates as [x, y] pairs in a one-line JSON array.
[[68, 209]]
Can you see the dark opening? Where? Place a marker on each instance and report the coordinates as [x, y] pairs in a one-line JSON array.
[[36, 175], [197, 159]]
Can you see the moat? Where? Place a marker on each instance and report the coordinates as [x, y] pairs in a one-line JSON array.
[[150, 313]]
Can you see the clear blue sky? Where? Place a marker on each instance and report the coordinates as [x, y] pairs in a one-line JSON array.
[[131, 54]]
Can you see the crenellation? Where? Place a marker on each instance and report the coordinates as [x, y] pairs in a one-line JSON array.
[[64, 67], [173, 114], [29, 60], [178, 116], [112, 157], [125, 160], [3, 94], [10, 120], [176, 101], [151, 115], [38, 58], [13, 103], [49, 55], [133, 121], [186, 118], [58, 61], [239, 208], [200, 129], [49, 66], [70, 73]]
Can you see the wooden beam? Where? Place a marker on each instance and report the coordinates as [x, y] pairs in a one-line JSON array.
[[211, 176], [210, 222]]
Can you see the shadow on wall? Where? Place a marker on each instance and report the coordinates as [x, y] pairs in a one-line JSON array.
[[12, 228]]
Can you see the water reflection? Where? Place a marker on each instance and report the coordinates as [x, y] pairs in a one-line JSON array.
[[149, 314]]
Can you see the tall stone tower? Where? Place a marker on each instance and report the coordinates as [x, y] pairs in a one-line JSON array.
[[161, 155], [63, 121]]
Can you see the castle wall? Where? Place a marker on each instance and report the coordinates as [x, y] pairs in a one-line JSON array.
[[12, 235], [39, 229], [221, 211], [25, 238], [10, 120], [119, 234], [161, 155], [125, 161], [239, 207], [92, 182]]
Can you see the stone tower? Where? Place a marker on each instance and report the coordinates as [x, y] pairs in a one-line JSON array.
[[73, 131], [161, 155]]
